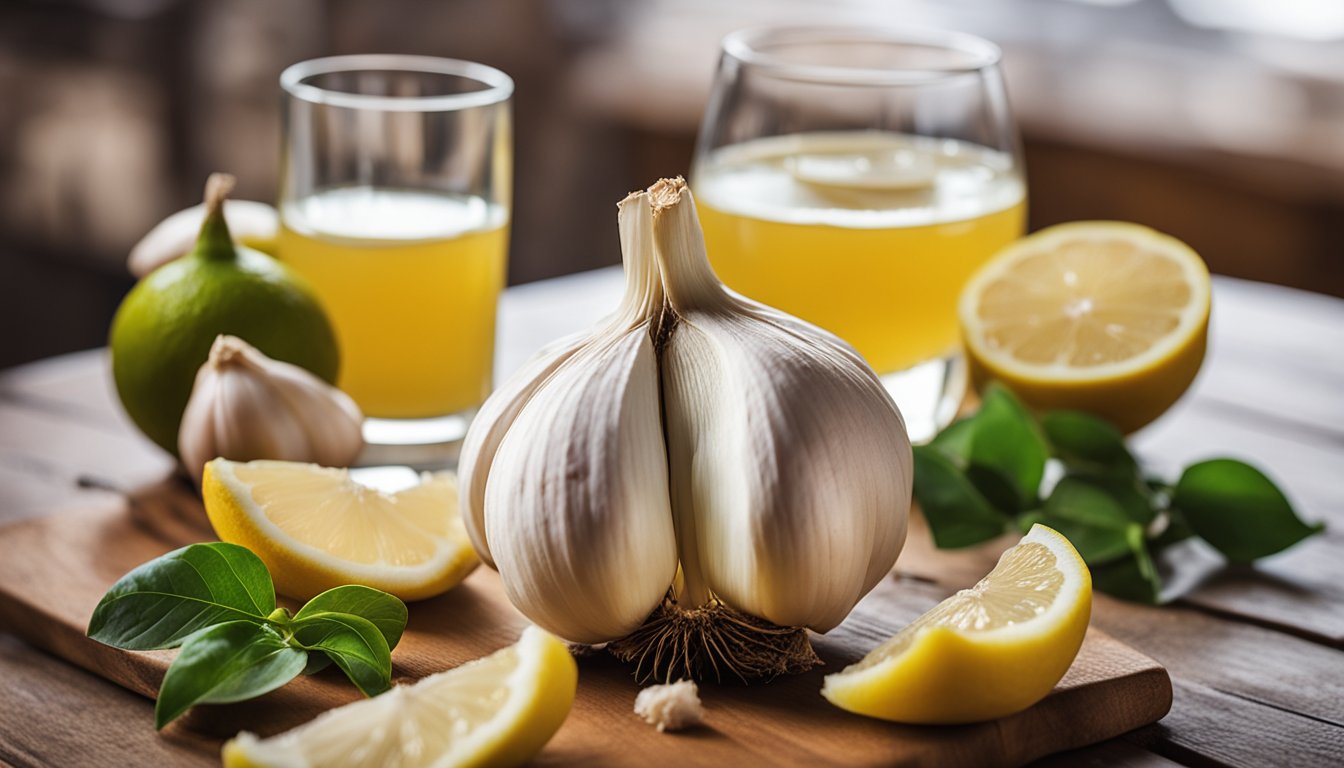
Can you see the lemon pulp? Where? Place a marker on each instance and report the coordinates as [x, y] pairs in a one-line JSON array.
[[316, 528], [985, 652], [1106, 317], [325, 508], [496, 711]]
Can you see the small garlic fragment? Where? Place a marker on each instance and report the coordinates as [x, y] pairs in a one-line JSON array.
[[252, 223], [670, 707], [246, 406]]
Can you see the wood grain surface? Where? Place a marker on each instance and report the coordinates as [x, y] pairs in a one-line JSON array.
[[53, 571], [1256, 654]]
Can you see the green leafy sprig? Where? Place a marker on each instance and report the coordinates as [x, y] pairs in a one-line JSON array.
[[987, 473], [217, 602]]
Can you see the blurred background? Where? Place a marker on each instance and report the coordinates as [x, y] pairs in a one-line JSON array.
[[1218, 121]]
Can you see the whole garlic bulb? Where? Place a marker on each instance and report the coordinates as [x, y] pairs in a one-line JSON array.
[[700, 459], [246, 406]]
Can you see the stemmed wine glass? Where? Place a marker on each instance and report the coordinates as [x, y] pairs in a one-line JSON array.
[[855, 177]]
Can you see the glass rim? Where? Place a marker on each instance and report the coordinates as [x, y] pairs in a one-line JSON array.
[[749, 47], [499, 86]]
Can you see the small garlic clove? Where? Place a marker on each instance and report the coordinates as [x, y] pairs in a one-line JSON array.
[[576, 509], [576, 506], [246, 406], [492, 422], [642, 299], [795, 537], [330, 424]]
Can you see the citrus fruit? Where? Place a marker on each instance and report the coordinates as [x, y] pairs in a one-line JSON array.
[[988, 651], [1105, 317], [316, 528], [162, 332], [496, 711]]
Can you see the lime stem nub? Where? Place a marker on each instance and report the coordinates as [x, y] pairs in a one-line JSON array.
[[217, 188], [215, 239]]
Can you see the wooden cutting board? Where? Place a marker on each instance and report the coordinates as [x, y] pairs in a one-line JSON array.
[[54, 570]]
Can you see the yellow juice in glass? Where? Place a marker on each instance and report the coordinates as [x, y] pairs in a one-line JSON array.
[[410, 281], [870, 235]]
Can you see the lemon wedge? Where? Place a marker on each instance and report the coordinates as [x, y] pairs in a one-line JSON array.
[[496, 711], [316, 528], [1105, 317], [988, 651]]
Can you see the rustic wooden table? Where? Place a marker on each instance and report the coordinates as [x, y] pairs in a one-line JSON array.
[[1256, 654]]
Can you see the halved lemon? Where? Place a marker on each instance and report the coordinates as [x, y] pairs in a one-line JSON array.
[[988, 651], [316, 528], [496, 711], [1100, 316]]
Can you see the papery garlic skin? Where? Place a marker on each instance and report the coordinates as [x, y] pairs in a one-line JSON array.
[[492, 422], [245, 405], [585, 546], [642, 298], [696, 442], [802, 509], [793, 536], [575, 508]]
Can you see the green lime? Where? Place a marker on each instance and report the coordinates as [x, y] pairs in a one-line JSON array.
[[163, 330]]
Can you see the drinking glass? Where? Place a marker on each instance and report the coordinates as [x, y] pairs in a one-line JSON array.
[[394, 204], [856, 177]]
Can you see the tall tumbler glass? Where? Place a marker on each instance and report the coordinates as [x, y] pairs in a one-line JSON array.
[[855, 177], [394, 204]]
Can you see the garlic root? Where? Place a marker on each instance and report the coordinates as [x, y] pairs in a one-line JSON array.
[[708, 640]]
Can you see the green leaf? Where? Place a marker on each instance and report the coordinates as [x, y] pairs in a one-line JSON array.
[[954, 441], [996, 488], [1138, 544], [228, 662], [1133, 578], [355, 644], [1134, 499], [1081, 439], [958, 515], [317, 661], [163, 601], [1008, 441], [386, 612], [1238, 510], [1091, 519]]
